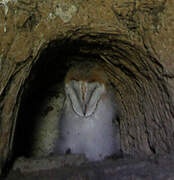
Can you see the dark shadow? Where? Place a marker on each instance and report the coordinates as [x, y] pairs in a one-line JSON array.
[[49, 70]]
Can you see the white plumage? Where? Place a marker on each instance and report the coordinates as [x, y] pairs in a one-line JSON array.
[[86, 125]]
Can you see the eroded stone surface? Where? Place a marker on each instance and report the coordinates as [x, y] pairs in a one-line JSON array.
[[26, 165], [138, 169], [27, 27]]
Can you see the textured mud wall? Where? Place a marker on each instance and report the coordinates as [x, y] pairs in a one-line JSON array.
[[159, 168], [135, 40]]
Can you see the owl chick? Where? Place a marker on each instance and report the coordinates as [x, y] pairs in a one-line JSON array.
[[86, 125]]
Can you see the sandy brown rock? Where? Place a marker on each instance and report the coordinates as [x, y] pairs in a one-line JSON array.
[[134, 39], [122, 169]]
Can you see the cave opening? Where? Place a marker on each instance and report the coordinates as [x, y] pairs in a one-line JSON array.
[[43, 96], [134, 74]]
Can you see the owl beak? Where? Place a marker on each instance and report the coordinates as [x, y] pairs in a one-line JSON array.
[[84, 97], [84, 110]]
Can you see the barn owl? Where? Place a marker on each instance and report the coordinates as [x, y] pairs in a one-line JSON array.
[[86, 125]]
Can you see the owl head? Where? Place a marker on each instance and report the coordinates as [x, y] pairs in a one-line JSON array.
[[85, 85]]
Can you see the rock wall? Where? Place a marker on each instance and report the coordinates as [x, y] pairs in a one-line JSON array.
[[133, 37]]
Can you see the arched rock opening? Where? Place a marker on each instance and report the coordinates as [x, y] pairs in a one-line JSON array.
[[146, 114]]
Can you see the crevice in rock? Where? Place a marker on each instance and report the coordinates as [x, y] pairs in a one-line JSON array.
[[140, 89]]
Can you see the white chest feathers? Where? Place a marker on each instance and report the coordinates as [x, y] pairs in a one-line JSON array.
[[86, 125]]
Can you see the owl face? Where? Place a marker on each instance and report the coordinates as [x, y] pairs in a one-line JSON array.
[[84, 96]]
